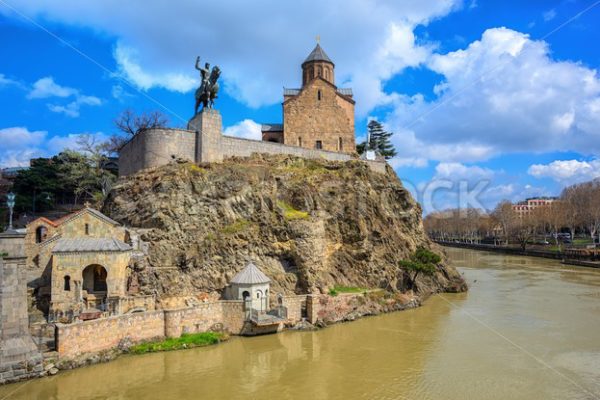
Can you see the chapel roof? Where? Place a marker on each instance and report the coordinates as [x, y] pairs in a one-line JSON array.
[[89, 245], [250, 275], [318, 54]]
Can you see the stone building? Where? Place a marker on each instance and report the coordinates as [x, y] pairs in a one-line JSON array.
[[252, 286], [319, 115], [84, 256]]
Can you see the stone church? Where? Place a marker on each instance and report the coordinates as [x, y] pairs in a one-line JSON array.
[[318, 123], [319, 115]]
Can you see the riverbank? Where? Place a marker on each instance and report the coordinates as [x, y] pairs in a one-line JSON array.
[[560, 256], [438, 351]]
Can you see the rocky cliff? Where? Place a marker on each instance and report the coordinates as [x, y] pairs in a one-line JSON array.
[[309, 225]]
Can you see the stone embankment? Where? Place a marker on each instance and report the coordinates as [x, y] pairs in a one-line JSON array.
[[582, 259]]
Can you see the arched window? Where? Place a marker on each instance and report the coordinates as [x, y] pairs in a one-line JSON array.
[[319, 95], [299, 141], [340, 144], [245, 294], [67, 285], [87, 229], [40, 234]]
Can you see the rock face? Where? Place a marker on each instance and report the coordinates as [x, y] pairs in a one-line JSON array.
[[309, 225]]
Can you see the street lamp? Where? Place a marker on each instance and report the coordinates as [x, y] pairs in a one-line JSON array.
[[10, 202]]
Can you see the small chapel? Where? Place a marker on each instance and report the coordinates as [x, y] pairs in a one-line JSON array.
[[318, 115]]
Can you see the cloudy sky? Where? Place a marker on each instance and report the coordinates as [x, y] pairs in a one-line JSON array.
[[488, 100]]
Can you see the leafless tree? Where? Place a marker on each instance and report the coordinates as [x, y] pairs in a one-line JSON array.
[[131, 123]]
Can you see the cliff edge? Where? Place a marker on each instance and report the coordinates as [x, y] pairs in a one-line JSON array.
[[308, 224]]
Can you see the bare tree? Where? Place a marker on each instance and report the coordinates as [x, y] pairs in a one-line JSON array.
[[505, 216], [130, 123]]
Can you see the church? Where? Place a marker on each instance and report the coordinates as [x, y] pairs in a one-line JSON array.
[[319, 115], [318, 123]]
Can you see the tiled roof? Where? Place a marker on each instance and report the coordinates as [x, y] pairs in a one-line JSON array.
[[317, 55], [89, 245], [250, 275]]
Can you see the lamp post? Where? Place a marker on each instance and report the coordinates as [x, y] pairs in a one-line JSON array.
[[11, 204]]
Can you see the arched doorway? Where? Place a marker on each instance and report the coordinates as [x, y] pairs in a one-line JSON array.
[[94, 279]]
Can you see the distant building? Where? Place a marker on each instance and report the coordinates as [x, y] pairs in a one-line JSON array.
[[527, 206]]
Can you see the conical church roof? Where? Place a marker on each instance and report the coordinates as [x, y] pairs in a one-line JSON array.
[[318, 54], [250, 275]]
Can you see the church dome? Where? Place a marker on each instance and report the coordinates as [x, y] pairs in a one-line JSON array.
[[318, 54]]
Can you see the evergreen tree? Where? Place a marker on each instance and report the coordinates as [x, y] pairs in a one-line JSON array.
[[379, 141]]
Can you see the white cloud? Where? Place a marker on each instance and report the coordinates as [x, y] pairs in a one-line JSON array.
[[549, 15], [502, 94], [19, 145], [72, 109], [567, 171], [258, 45], [4, 81], [457, 171], [246, 129], [46, 87]]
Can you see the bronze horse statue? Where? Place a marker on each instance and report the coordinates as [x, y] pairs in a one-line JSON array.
[[208, 90]]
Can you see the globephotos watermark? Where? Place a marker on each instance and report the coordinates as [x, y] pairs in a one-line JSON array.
[[443, 194]]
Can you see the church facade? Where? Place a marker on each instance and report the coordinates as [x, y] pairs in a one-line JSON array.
[[319, 115]]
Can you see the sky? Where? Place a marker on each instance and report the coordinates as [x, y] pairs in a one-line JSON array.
[[488, 100]]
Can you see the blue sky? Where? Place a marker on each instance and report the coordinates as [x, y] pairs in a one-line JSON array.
[[488, 100]]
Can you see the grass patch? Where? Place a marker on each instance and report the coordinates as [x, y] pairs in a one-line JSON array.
[[186, 341], [3, 254], [195, 168], [333, 292], [290, 213], [237, 226], [349, 289]]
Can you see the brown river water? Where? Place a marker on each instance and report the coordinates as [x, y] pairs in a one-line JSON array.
[[529, 328]]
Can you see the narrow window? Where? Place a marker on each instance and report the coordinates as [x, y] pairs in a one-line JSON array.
[[87, 229], [319, 145], [40, 234], [319, 95], [340, 145], [299, 141], [67, 286]]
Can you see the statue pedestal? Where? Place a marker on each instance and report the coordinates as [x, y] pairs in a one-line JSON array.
[[208, 126]]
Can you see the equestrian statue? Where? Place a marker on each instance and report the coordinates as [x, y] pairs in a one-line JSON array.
[[209, 87]]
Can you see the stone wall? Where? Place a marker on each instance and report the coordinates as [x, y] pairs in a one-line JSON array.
[[294, 307], [19, 356], [12, 244], [155, 147], [238, 147], [106, 333], [204, 142]]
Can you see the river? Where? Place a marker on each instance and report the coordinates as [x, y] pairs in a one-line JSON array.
[[529, 328]]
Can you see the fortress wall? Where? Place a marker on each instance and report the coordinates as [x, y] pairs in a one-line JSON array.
[[155, 147], [233, 146], [294, 307]]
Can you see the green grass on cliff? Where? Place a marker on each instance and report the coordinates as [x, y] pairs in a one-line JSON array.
[[290, 213], [186, 341], [237, 226], [337, 289]]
